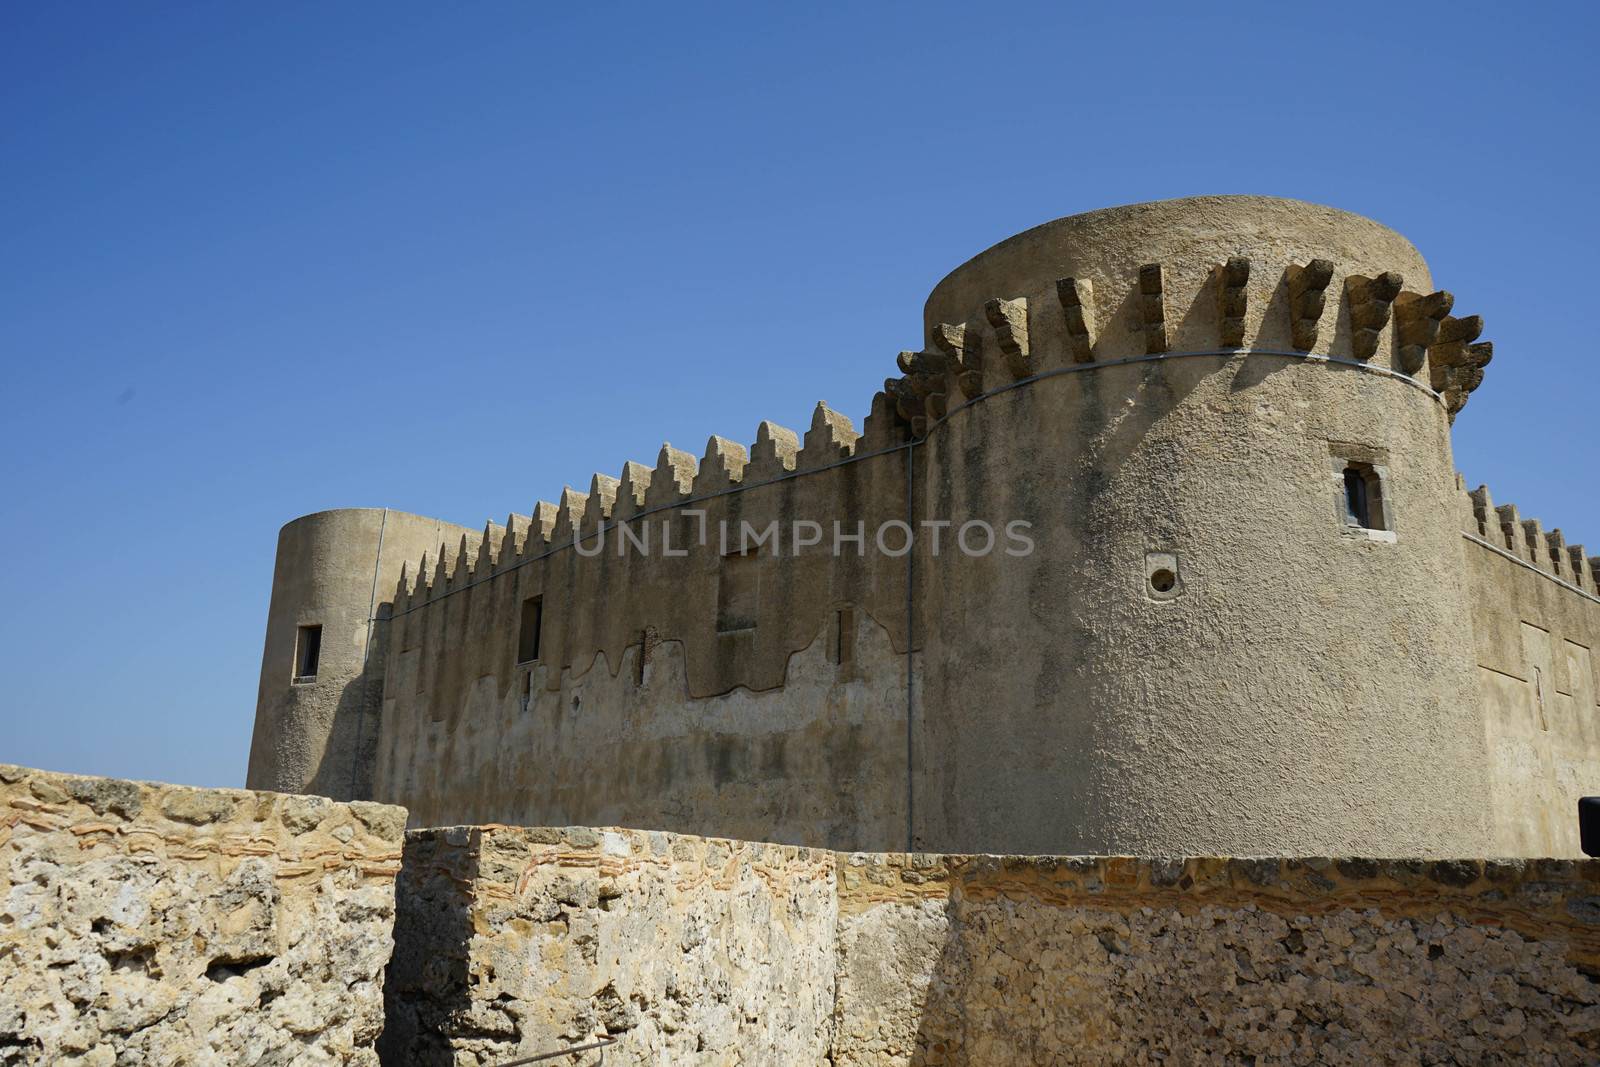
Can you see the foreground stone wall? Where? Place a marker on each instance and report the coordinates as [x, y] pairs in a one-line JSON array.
[[1034, 960], [154, 924], [525, 940], [514, 941]]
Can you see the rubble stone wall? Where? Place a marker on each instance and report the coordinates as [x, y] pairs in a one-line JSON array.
[[1034, 960], [515, 941], [154, 924], [151, 924], [522, 941], [518, 941]]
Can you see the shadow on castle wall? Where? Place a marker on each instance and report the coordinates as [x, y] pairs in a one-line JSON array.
[[344, 769]]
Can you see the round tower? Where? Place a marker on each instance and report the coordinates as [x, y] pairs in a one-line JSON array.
[[321, 669], [1240, 629]]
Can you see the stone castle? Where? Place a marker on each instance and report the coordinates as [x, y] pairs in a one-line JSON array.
[[1260, 615], [1139, 685]]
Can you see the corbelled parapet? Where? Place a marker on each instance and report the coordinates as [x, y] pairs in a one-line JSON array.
[[1206, 275], [1175, 396]]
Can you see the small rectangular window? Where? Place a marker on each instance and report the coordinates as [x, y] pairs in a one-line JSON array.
[[1363, 497], [528, 631], [1356, 511], [307, 651]]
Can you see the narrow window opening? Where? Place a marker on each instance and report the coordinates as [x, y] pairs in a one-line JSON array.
[[527, 689], [528, 631], [1355, 499], [1363, 497], [647, 644], [307, 652], [844, 638]]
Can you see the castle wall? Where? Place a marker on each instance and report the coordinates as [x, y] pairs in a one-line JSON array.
[[1536, 621], [1202, 652], [821, 758], [688, 688], [332, 569], [155, 924], [729, 952], [1301, 686]]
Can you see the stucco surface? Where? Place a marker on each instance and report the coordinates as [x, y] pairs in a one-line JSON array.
[[1189, 237], [816, 761], [1307, 692], [333, 568], [1535, 635], [1173, 387], [162, 925]]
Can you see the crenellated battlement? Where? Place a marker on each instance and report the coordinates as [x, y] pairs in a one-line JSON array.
[[1504, 527], [676, 480], [1222, 424]]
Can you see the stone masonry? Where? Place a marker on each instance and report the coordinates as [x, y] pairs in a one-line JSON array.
[[148, 924], [515, 941], [155, 924], [1060, 960]]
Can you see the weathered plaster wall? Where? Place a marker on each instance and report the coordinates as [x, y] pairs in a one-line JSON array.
[[1306, 692], [763, 697], [821, 759], [1189, 237], [525, 940], [1303, 688], [1537, 626], [1156, 386], [154, 924], [332, 569], [515, 941]]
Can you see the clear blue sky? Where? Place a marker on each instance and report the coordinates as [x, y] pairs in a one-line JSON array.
[[261, 260]]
